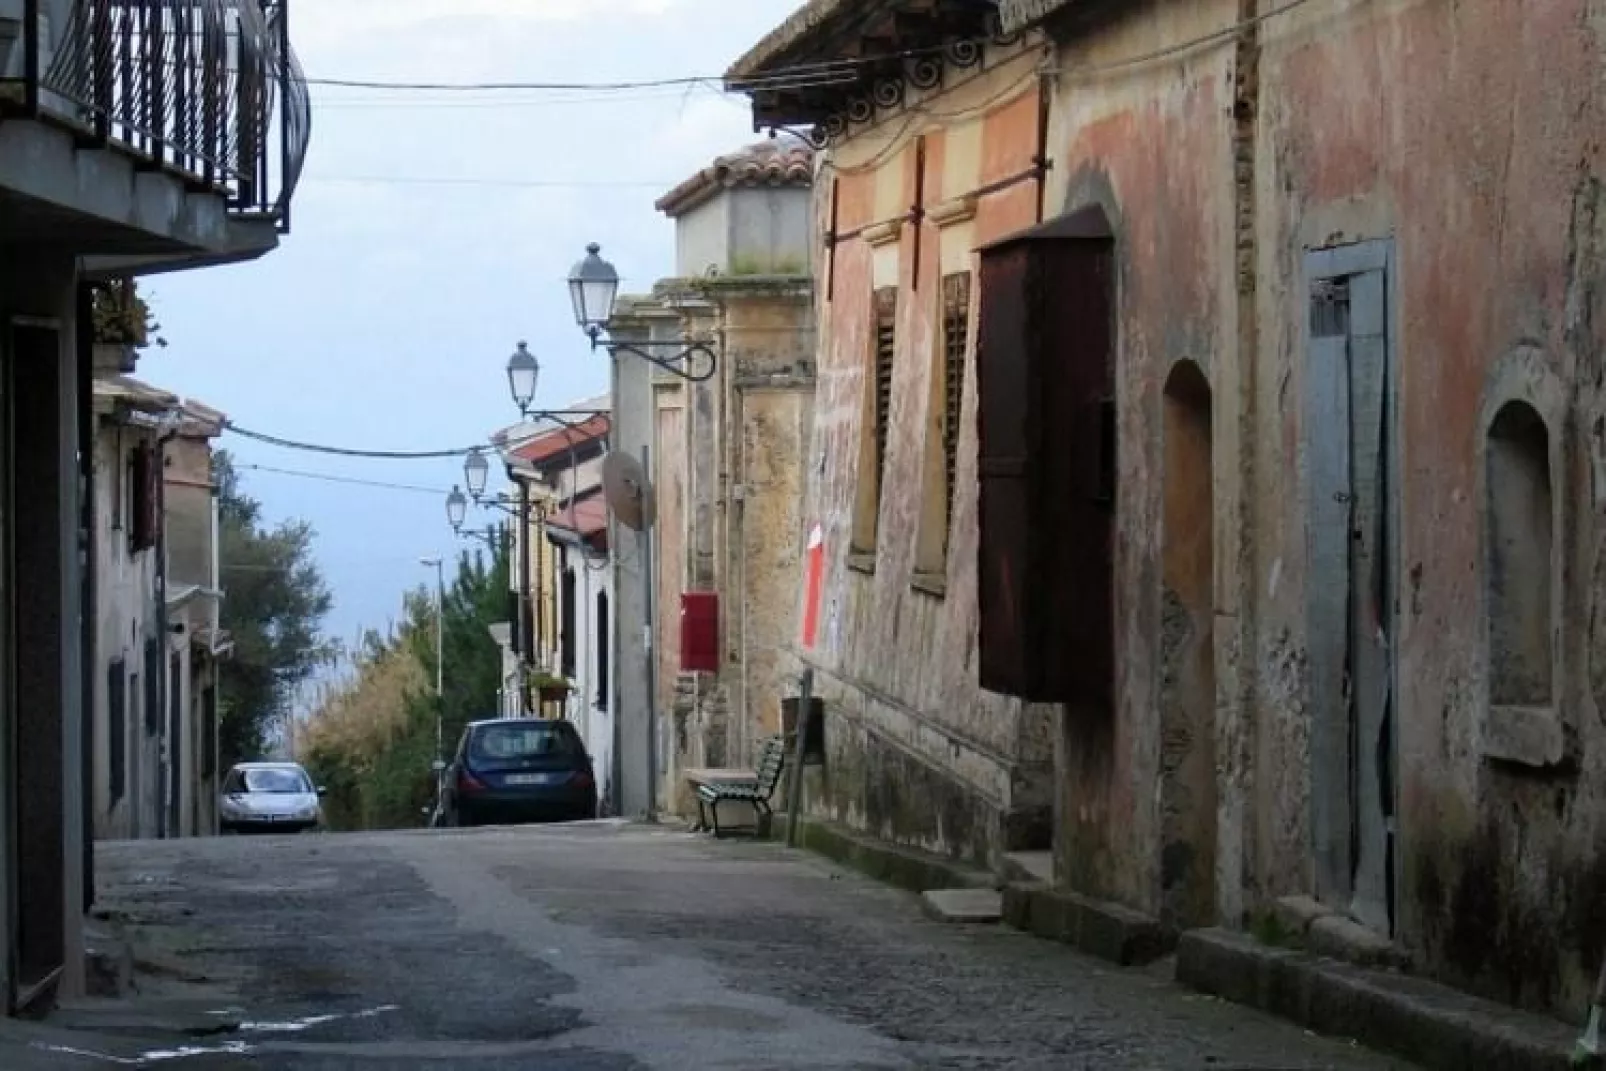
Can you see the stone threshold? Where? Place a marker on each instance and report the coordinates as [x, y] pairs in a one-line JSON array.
[[1434, 1025], [906, 868], [1098, 928]]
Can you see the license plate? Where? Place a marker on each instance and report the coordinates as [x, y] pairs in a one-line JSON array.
[[528, 778]]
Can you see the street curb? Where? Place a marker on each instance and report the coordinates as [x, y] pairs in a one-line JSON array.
[[1108, 931], [1442, 1029], [906, 868]]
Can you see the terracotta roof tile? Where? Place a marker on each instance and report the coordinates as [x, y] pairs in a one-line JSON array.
[[550, 444], [587, 516], [784, 160]]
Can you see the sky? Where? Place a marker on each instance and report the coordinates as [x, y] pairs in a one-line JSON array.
[[434, 230]]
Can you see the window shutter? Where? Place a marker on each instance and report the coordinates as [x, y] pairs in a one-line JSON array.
[[886, 344], [955, 343], [1046, 445], [153, 687], [116, 730]]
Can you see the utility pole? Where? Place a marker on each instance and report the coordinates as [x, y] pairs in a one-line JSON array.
[[439, 566]]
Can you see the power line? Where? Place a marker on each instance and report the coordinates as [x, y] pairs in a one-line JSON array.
[[331, 478], [796, 76], [554, 416], [445, 180]]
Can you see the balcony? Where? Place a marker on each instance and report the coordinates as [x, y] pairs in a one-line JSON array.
[[206, 92]]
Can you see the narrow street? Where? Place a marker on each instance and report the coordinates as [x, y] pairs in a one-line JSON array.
[[615, 946]]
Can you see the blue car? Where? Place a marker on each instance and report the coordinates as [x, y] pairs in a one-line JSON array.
[[515, 770]]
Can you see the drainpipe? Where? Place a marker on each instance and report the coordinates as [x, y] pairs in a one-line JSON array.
[[163, 681], [526, 633]]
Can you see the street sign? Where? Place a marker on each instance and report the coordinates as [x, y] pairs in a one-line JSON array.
[[1016, 15]]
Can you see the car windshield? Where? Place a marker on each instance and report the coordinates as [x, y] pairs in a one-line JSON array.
[[279, 782], [500, 743]]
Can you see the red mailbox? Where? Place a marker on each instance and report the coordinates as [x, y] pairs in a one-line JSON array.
[[699, 632]]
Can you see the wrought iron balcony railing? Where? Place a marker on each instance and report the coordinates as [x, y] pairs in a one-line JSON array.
[[207, 89]]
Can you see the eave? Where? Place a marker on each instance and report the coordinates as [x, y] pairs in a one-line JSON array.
[[862, 55]]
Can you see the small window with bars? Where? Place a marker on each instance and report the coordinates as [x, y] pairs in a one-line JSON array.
[[955, 343], [886, 342]]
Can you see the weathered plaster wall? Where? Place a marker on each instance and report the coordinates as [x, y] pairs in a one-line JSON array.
[[1151, 144], [1471, 136], [916, 752], [126, 596]]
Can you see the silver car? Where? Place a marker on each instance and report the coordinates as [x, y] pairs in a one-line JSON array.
[[268, 797]]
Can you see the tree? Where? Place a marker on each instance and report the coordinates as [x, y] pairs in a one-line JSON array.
[[372, 737], [274, 604]]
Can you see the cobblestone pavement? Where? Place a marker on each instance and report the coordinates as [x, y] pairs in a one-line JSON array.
[[610, 946]]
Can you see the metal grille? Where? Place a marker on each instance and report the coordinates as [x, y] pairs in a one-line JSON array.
[[1329, 308], [955, 343], [195, 85], [886, 343]]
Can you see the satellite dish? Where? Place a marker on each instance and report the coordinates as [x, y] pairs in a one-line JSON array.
[[628, 494]]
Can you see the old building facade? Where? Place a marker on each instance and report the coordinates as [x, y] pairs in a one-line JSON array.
[[158, 639], [917, 751], [725, 454], [106, 172], [1278, 480]]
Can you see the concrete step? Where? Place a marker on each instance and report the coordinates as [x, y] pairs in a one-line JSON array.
[[1440, 1028], [1029, 867], [963, 905]]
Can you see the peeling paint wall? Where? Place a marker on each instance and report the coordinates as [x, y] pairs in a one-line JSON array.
[[1470, 135], [916, 752], [1152, 145], [1462, 143], [126, 596]]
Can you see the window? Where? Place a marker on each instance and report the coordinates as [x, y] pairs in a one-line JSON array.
[[877, 423], [144, 485], [947, 396], [524, 740], [566, 622], [1045, 372], [886, 340], [153, 687], [116, 729], [604, 644], [273, 780], [208, 731]]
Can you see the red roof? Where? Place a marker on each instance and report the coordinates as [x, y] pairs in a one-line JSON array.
[[587, 517], [546, 446]]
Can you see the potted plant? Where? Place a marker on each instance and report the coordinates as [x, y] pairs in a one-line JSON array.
[[122, 325], [551, 687]]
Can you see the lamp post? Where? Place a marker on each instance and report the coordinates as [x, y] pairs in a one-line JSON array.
[[593, 289], [439, 566]]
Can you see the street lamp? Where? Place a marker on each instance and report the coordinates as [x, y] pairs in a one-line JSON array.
[[523, 372], [475, 472], [594, 287], [456, 508]]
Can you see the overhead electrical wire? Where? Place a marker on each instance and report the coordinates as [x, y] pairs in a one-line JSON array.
[[555, 417], [329, 477], [800, 75]]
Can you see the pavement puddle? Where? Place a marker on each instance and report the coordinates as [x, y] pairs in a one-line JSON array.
[[225, 1048], [152, 1056]]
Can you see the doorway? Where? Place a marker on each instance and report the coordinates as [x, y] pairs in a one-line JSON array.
[[1188, 656], [1351, 481], [37, 699]]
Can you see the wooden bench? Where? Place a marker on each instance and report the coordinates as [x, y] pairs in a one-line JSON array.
[[756, 793]]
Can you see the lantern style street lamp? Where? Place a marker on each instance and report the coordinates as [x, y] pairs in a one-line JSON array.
[[593, 289], [523, 373], [456, 508], [476, 470]]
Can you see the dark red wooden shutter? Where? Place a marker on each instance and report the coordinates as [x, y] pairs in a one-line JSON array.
[[1045, 410]]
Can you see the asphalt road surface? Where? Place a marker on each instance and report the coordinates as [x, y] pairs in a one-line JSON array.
[[612, 947]]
